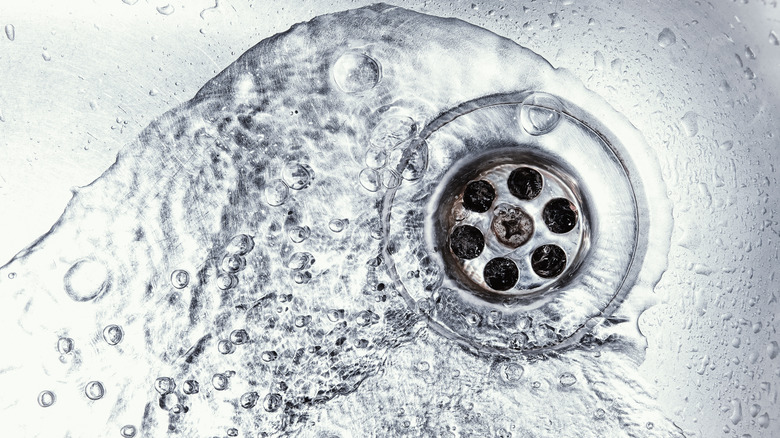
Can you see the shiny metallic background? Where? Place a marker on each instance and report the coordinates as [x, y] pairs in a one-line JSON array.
[[81, 78]]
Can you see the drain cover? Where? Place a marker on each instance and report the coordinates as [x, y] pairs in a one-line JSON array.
[[532, 222]]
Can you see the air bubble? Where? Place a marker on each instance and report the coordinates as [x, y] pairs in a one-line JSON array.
[[276, 192], [567, 379], [415, 160], [232, 432], [46, 399], [501, 274], [467, 242], [85, 280], [94, 390], [302, 277], [226, 347], [226, 281], [540, 113], [239, 337], [297, 176], [390, 178], [164, 385], [355, 72], [298, 234], [300, 261], [219, 381], [127, 431], [268, 356], [392, 131], [233, 263], [548, 261], [525, 183], [560, 215], [113, 334], [512, 372], [191, 387], [479, 196], [240, 244], [376, 157], [180, 278], [337, 225], [369, 179], [272, 402], [64, 345]]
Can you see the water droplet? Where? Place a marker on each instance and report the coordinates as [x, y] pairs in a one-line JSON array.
[[226, 347], [164, 385], [540, 113], [369, 179], [300, 261], [180, 278], [773, 39], [45, 55], [337, 225], [297, 176], [166, 10], [268, 356], [240, 244], [94, 390], [154, 92], [233, 263], [298, 234], [203, 12], [64, 345], [276, 192], [689, 124], [763, 420], [600, 414], [749, 54], [239, 337], [219, 381], [113, 334], [272, 402], [191, 387], [567, 379], [355, 72], [232, 432], [649, 425], [10, 31], [130, 2], [754, 410], [86, 279], [226, 281], [772, 349], [46, 399], [11, 275], [666, 38], [555, 20]]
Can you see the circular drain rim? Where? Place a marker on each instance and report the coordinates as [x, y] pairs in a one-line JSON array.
[[617, 150]]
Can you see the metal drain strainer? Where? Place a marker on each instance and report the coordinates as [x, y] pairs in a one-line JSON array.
[[525, 225]]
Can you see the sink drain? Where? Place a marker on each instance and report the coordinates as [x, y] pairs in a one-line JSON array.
[[533, 222], [516, 228]]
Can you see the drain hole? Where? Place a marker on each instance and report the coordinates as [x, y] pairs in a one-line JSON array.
[[467, 242], [525, 183], [501, 273], [512, 226], [548, 261], [479, 196], [560, 215]]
